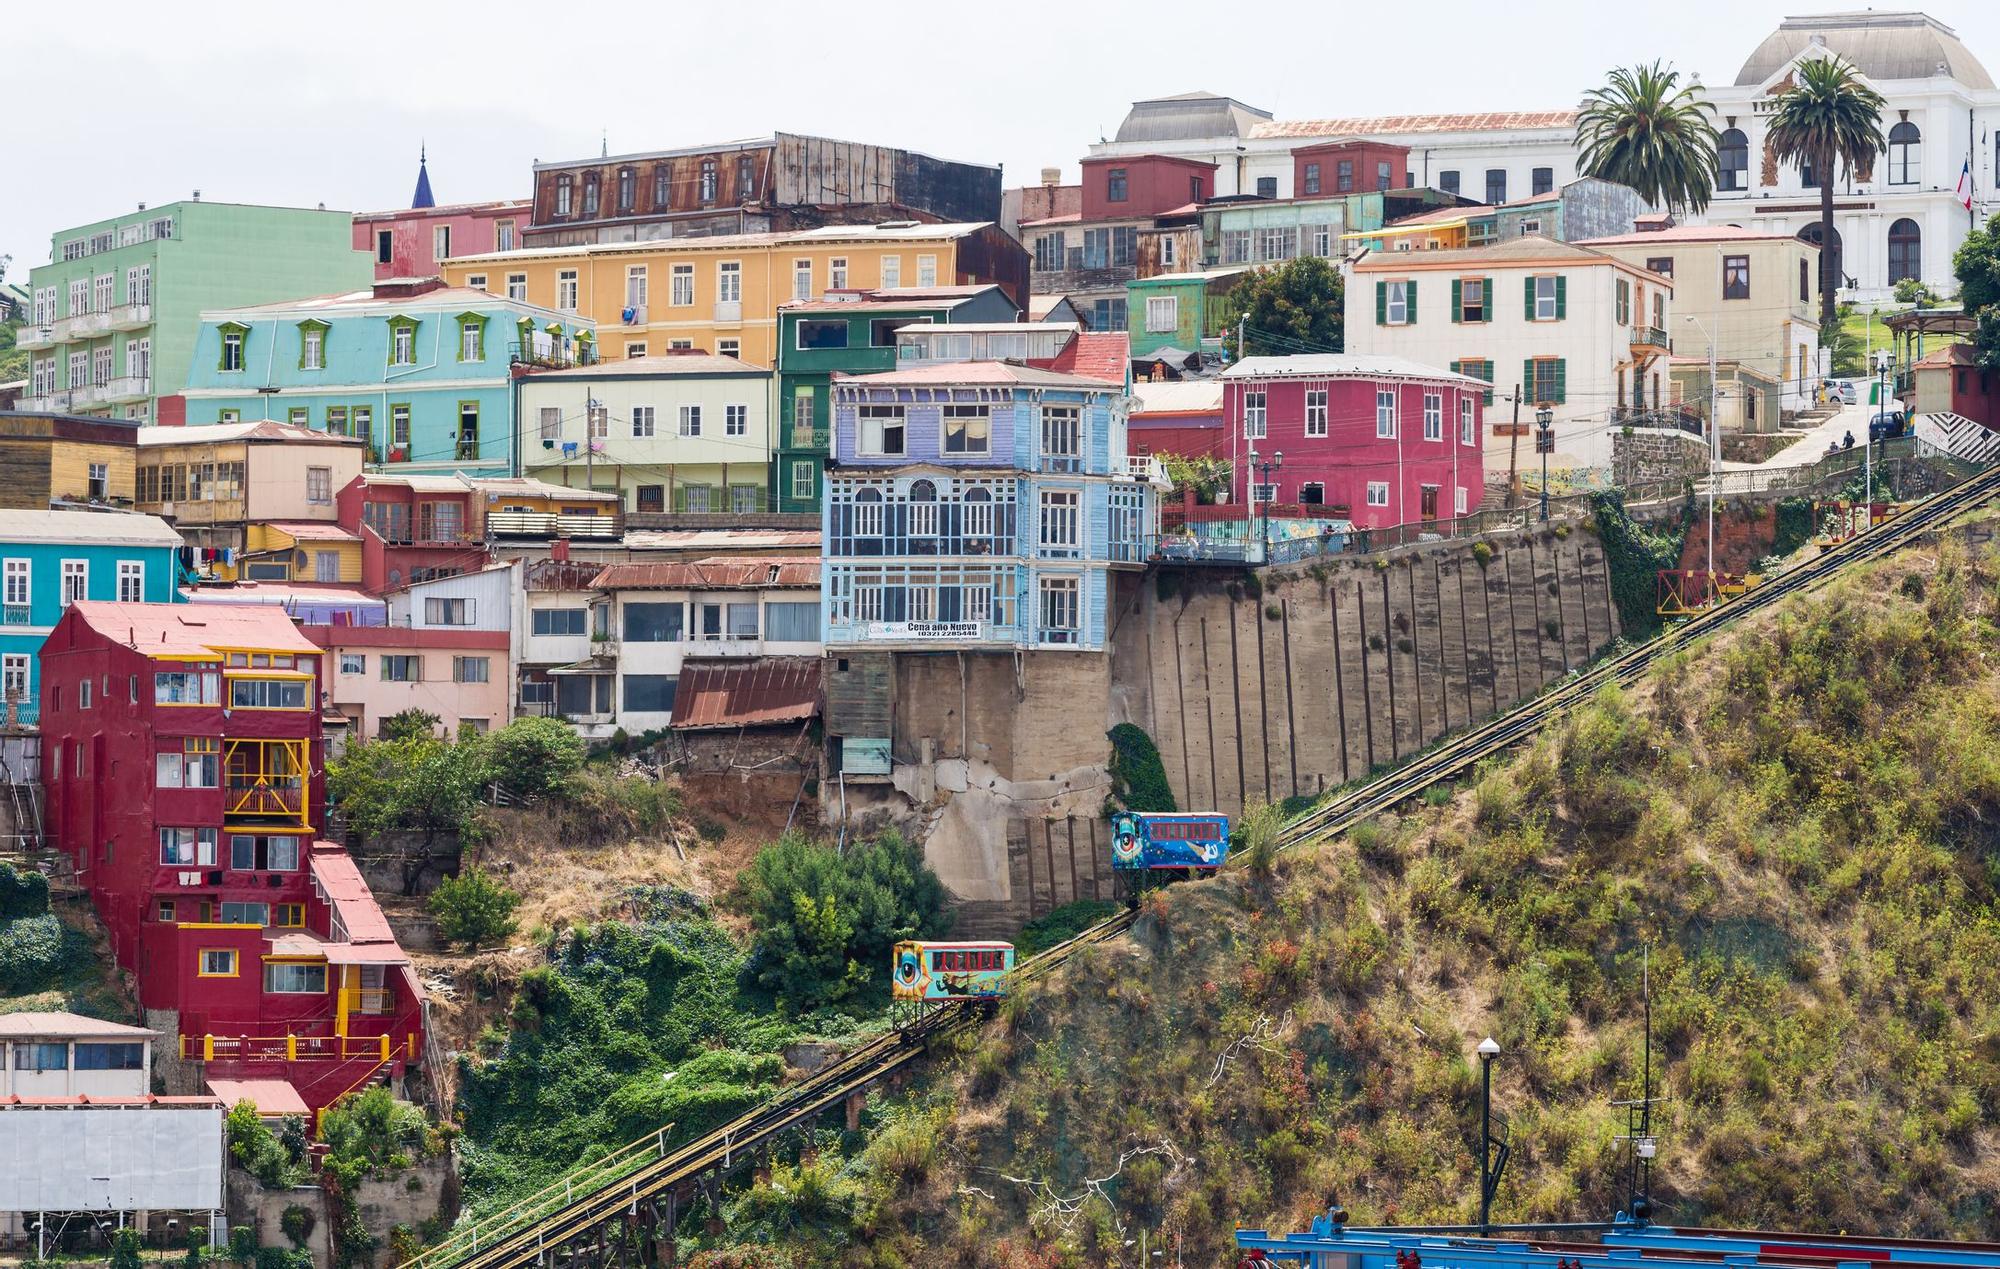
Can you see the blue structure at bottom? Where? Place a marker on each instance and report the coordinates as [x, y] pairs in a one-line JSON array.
[[1625, 1242], [1148, 839]]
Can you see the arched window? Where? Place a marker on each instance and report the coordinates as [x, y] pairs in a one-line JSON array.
[[1733, 161], [590, 194], [1906, 144], [562, 194], [868, 513], [978, 503], [1829, 256], [1906, 251], [628, 190], [923, 509]]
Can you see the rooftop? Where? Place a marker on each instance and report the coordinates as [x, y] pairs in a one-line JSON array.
[[355, 911], [763, 692], [94, 528], [713, 574], [676, 365], [67, 1026], [1881, 45], [1185, 396], [898, 230], [1344, 366], [1687, 233], [448, 209], [270, 1097], [908, 297], [1381, 125], [1532, 249], [1103, 355], [453, 299], [1185, 116], [187, 632], [253, 430], [1197, 275], [312, 530]]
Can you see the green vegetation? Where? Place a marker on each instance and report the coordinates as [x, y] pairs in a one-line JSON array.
[[1977, 265], [1829, 117], [419, 783], [1646, 130], [411, 724], [1635, 557], [1138, 777], [1060, 924], [1206, 474], [1292, 308], [1795, 526], [13, 359], [38, 953], [472, 908], [534, 757], [276, 1160], [370, 1133]]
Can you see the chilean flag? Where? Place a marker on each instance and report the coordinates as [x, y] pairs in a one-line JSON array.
[[1965, 185]]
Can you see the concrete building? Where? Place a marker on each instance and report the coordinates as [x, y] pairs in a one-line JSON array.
[[56, 460], [1090, 255], [1754, 294], [686, 432], [212, 482], [445, 650], [69, 1055], [116, 309], [1571, 328], [421, 372]]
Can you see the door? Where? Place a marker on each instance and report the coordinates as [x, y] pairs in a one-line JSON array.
[[1430, 511]]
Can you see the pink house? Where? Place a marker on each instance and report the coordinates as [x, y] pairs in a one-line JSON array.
[[409, 243], [1376, 440]]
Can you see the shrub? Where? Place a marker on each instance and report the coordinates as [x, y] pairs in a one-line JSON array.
[[369, 1131], [243, 1244], [1256, 837], [260, 1153], [1253, 584], [23, 893], [297, 1224], [411, 724], [472, 908], [1482, 553], [1634, 558], [1138, 777], [125, 1247], [196, 1241], [1273, 612], [1065, 922], [533, 757], [37, 952]]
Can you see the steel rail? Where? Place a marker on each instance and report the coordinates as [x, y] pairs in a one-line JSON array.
[[525, 1232]]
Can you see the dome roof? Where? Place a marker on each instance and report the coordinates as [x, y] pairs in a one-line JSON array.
[[1881, 45], [1189, 117]]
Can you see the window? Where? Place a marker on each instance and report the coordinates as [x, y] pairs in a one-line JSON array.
[[642, 421], [1496, 186], [710, 180], [41, 1057], [1059, 609], [634, 351], [131, 581], [1163, 312], [1546, 298], [1905, 251], [728, 347], [892, 272], [1467, 433], [385, 246], [1311, 182], [232, 350], [399, 425], [471, 339], [882, 430], [354, 663], [14, 675], [469, 669], [19, 573], [817, 333], [276, 853], [1396, 303], [245, 913], [1545, 380], [1254, 414], [312, 348], [1384, 177], [83, 693], [517, 287], [1623, 309], [927, 270], [1905, 156], [503, 235], [319, 485], [967, 429], [296, 977], [1543, 180], [441, 242], [402, 669], [1378, 493], [590, 194], [267, 693], [1048, 252], [187, 687], [729, 282], [1471, 299], [1169, 251], [1061, 527], [1805, 283], [836, 273], [1267, 187], [1433, 416], [1061, 436], [564, 183], [75, 581], [802, 279], [188, 847], [100, 1056], [735, 420], [1107, 314], [690, 420], [1732, 161], [566, 290], [1385, 414], [1736, 277], [1316, 412], [805, 478], [680, 285], [1448, 181], [442, 611], [558, 621]]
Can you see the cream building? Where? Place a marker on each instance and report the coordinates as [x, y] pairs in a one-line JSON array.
[[686, 433], [1574, 329]]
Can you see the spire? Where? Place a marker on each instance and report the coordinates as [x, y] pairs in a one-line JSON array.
[[604, 145], [423, 198]]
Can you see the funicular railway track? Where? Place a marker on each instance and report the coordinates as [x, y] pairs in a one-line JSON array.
[[622, 1210]]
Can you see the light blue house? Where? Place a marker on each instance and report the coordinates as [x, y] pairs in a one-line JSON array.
[[51, 559], [979, 505], [424, 375]]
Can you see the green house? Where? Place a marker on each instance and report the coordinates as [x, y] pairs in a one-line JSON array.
[[851, 333], [1178, 312]]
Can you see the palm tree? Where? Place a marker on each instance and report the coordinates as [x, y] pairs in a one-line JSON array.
[[1643, 129], [1828, 115]]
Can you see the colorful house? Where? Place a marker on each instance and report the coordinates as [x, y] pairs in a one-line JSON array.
[[50, 560], [849, 333], [259, 944], [413, 241], [51, 460], [422, 373], [1137, 216], [1178, 316], [1378, 441], [117, 308], [212, 482]]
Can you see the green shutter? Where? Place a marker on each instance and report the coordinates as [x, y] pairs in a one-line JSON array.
[[1528, 297], [1381, 303], [1489, 308], [1457, 304], [1410, 290], [1528, 381], [1562, 297], [1455, 368], [1562, 367]]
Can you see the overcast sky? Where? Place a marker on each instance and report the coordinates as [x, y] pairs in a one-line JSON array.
[[119, 102]]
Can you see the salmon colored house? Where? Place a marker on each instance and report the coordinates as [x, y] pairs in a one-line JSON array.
[[183, 761]]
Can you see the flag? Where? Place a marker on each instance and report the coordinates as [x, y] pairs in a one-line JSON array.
[[1965, 185]]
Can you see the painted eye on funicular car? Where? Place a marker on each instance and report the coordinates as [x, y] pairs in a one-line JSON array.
[[906, 968]]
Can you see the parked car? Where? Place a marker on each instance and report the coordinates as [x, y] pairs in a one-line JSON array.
[[1841, 390], [1888, 423]]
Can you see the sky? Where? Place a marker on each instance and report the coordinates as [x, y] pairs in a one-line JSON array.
[[298, 104]]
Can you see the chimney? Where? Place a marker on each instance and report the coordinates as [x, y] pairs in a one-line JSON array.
[[142, 205], [197, 196], [1051, 176]]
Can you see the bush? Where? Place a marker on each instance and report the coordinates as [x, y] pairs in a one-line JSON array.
[[1063, 923], [534, 757], [23, 893], [371, 1131], [1256, 837], [826, 922], [37, 952], [411, 724], [243, 1244], [125, 1247], [472, 908], [260, 1153], [1138, 777], [1634, 558], [1482, 553]]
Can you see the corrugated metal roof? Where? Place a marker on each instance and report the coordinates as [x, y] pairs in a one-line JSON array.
[[67, 1026], [1103, 355], [972, 373], [255, 430], [353, 904], [661, 364], [97, 528], [271, 1097], [712, 574], [1344, 365], [1389, 125], [746, 693], [193, 631]]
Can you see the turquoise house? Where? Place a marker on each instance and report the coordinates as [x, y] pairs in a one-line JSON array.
[[51, 559], [423, 372]]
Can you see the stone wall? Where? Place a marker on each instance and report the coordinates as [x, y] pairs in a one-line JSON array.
[[1645, 455], [426, 1191]]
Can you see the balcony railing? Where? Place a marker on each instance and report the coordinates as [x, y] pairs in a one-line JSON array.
[[729, 310], [130, 316], [545, 524], [82, 326], [17, 615], [1651, 337], [35, 338], [806, 436], [1147, 468], [553, 355], [468, 451], [128, 388]]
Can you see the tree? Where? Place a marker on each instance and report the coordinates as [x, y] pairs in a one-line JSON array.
[[420, 784], [534, 757], [1645, 130], [472, 908], [125, 1248], [1294, 308], [1977, 266], [1827, 118], [411, 724], [1913, 292]]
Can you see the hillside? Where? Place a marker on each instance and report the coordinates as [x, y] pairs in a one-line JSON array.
[[1798, 820]]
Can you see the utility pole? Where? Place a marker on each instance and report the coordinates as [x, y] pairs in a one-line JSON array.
[[1488, 1178], [1514, 450]]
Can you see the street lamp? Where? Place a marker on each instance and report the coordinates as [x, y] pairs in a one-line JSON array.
[[1264, 467], [1883, 360], [1545, 441], [1488, 1175]]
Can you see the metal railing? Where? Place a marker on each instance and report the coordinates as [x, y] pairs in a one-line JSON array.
[[286, 1048], [550, 524], [1650, 337]]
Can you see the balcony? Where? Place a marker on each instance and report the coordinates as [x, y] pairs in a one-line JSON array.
[[87, 396], [263, 782], [82, 326], [17, 615], [1145, 467], [1650, 339], [729, 310], [549, 524], [128, 388], [35, 338], [130, 316]]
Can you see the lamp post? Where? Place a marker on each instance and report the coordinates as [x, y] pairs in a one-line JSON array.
[[1264, 467], [1883, 360], [1488, 1050], [1545, 441]]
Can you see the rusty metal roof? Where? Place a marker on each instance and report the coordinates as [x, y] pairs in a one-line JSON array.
[[720, 573], [1390, 125], [718, 693]]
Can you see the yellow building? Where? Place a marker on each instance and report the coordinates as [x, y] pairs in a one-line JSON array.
[[299, 551], [721, 294]]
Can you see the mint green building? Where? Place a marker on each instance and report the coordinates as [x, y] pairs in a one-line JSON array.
[[114, 314]]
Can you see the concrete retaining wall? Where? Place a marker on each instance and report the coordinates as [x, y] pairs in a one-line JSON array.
[[1644, 455]]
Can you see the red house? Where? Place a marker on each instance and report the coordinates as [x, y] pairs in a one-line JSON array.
[[1376, 440], [1144, 185], [409, 242], [1349, 167], [183, 762], [412, 528]]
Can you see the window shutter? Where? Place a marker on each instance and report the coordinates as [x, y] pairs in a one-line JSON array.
[[1528, 380], [1562, 297], [1381, 303], [1455, 367], [1528, 297], [1562, 367], [1489, 306], [1457, 304], [1410, 290]]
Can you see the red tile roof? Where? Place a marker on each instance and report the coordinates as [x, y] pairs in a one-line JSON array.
[[271, 1097], [193, 631], [1105, 355], [1380, 125], [713, 574], [746, 693]]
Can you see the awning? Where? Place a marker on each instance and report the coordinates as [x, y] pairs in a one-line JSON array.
[[364, 954], [272, 1098], [756, 693], [1392, 231]]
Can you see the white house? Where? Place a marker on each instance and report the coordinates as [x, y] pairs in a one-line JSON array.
[[1576, 330], [67, 1054]]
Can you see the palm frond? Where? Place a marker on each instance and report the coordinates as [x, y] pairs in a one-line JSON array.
[[1645, 130]]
